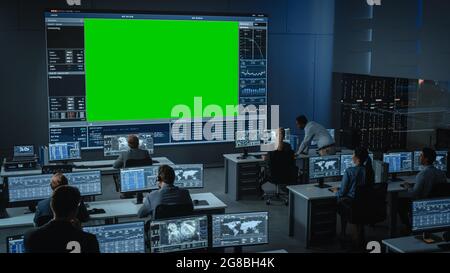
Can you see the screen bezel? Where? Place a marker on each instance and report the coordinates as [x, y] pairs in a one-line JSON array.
[[328, 156], [400, 172], [430, 230]]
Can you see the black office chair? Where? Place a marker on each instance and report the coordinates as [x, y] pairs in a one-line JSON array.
[[165, 211], [43, 220], [440, 190], [281, 171], [369, 207]]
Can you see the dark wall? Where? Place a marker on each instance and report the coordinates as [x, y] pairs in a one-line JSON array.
[[300, 63]]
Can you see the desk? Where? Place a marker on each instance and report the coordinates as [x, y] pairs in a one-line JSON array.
[[114, 210], [241, 175], [410, 245], [88, 166], [312, 212]]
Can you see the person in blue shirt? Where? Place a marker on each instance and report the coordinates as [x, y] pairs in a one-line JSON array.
[[360, 174], [423, 187]]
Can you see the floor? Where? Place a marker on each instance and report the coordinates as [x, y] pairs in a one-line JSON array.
[[278, 217]]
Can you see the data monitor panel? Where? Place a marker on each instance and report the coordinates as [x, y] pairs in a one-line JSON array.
[[347, 162], [23, 151], [189, 176], [64, 151], [180, 234], [247, 139], [240, 229], [399, 162], [15, 244], [37, 187], [139, 179], [324, 166], [221, 58], [431, 215], [120, 238], [113, 145], [440, 163]]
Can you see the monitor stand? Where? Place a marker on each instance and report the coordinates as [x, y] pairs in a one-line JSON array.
[[244, 155], [139, 198], [3, 213], [429, 238], [322, 184], [394, 178]]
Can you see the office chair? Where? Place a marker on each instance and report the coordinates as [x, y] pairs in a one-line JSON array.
[[369, 207], [165, 211], [43, 220], [280, 171], [440, 190]]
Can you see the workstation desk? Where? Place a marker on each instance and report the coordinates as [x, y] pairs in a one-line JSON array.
[[105, 166], [313, 216], [411, 244]]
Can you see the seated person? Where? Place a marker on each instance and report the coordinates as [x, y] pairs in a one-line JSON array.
[[167, 193], [424, 182], [134, 153], [63, 234], [359, 175], [44, 212]]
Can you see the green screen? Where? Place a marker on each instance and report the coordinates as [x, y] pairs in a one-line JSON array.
[[140, 69]]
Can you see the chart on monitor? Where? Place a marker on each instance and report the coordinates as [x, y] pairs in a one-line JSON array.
[[116, 73]]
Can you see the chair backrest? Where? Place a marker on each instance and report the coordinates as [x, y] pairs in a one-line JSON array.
[[282, 166], [165, 211], [130, 163], [440, 190], [369, 205]]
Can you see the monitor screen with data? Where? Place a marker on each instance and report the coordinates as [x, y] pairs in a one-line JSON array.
[[64, 151], [138, 179], [324, 166], [431, 215], [181, 234], [347, 162], [440, 163], [37, 187], [399, 162], [118, 72], [113, 145], [15, 244], [120, 238], [240, 229]]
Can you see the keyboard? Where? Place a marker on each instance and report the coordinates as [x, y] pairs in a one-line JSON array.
[[92, 166], [96, 211], [444, 246], [411, 185]]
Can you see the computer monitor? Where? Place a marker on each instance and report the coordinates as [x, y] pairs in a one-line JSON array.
[[189, 176], [23, 151], [268, 139], [120, 238], [440, 163], [431, 215], [347, 162], [23, 190], [138, 179], [324, 166], [64, 151], [240, 229], [15, 244], [247, 139], [113, 145], [181, 234], [401, 162]]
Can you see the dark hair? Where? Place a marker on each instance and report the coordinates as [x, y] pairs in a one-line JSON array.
[[429, 154], [302, 119], [65, 201], [166, 174], [363, 155], [281, 136], [133, 141], [58, 179]]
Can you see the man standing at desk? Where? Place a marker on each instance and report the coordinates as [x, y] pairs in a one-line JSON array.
[[318, 133], [424, 183], [133, 153]]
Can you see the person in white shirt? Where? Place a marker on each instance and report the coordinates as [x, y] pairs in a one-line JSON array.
[[318, 133]]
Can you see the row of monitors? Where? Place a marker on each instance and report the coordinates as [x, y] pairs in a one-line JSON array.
[[113, 146], [173, 235], [22, 190], [145, 178], [332, 166]]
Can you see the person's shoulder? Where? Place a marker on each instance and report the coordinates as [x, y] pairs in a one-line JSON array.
[[43, 203]]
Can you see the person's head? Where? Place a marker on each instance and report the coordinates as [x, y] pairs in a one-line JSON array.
[[427, 156], [166, 175], [133, 141], [65, 202], [58, 179], [301, 122]]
